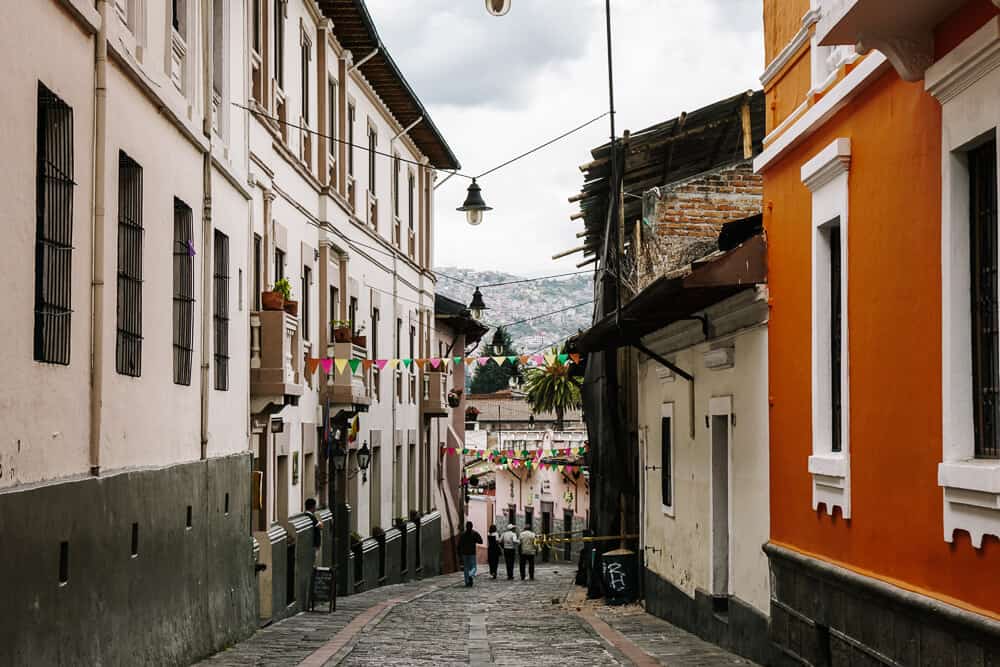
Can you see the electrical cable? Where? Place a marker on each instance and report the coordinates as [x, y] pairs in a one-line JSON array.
[[538, 317], [511, 282], [258, 112]]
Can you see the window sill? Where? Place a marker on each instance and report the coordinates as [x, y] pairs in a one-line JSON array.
[[971, 498], [831, 482], [668, 510]]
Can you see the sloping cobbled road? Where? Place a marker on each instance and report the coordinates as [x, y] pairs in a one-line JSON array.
[[439, 621]]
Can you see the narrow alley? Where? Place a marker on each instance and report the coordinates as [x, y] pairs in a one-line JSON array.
[[438, 621]]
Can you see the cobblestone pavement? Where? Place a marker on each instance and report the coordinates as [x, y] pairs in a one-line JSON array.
[[439, 621]]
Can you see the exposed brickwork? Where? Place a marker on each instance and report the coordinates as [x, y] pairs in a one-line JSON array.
[[690, 213]]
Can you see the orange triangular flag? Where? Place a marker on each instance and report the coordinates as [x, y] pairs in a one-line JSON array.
[[420, 362], [575, 358], [311, 365], [367, 363]]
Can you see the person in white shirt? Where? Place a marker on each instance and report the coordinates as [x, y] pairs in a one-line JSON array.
[[508, 542], [528, 550]]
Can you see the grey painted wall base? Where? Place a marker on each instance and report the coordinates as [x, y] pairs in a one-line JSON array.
[[185, 593], [826, 615], [742, 630], [430, 545]]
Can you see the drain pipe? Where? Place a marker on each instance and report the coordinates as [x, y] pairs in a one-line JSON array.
[[207, 252], [97, 240]]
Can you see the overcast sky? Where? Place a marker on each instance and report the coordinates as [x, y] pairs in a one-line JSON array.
[[496, 87]]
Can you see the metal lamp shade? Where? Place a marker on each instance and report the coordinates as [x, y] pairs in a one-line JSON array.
[[364, 456], [477, 306], [474, 206]]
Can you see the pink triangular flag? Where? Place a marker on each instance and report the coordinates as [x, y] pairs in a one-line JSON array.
[[435, 362], [482, 361], [381, 363], [327, 365]]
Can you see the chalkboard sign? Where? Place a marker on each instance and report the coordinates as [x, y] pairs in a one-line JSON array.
[[323, 589], [618, 569]]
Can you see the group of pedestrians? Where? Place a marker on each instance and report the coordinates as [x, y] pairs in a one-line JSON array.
[[510, 545]]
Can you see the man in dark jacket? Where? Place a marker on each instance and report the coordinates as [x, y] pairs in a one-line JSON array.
[[467, 550]]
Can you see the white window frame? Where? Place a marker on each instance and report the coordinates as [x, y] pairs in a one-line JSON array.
[[667, 411], [826, 176], [965, 82]]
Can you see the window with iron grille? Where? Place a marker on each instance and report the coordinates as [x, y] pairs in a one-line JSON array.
[[279, 264], [258, 269], [306, 314], [352, 315], [372, 144], [351, 114], [183, 252], [128, 353], [53, 229], [306, 58], [395, 185], [220, 309], [666, 479], [279, 42], [835, 338], [411, 186], [983, 256]]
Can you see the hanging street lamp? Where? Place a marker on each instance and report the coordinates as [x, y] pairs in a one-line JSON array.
[[339, 456], [364, 458], [474, 206], [477, 306], [498, 7], [497, 343]]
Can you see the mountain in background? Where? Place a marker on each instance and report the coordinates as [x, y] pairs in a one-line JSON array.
[[509, 303]]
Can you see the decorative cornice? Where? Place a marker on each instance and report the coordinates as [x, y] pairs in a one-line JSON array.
[[966, 64], [830, 163], [791, 49], [910, 55]]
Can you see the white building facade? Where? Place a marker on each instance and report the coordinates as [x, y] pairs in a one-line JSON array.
[[124, 488]]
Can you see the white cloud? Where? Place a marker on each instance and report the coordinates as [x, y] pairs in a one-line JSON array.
[[498, 86]]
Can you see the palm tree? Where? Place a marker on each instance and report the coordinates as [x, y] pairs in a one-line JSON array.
[[552, 389]]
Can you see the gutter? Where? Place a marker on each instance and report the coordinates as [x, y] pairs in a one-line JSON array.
[[97, 240], [207, 251]]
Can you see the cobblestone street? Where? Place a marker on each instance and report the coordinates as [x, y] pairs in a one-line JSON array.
[[441, 622]]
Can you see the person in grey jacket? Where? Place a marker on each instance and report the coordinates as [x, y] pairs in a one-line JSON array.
[[508, 542]]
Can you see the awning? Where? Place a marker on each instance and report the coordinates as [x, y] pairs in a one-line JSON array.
[[680, 294]]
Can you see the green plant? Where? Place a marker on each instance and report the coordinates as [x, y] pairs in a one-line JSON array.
[[492, 378], [340, 324], [284, 287], [552, 389], [355, 538]]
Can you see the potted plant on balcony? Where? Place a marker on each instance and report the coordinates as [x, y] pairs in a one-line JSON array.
[[360, 339], [454, 398], [291, 307], [341, 331], [471, 413], [273, 299]]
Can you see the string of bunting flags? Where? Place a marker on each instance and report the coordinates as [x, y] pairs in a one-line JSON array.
[[526, 458], [529, 360]]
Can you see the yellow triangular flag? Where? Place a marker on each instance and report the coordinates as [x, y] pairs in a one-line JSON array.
[[393, 363], [499, 360], [341, 364]]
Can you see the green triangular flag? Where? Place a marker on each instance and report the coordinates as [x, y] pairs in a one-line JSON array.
[[407, 362], [458, 360], [512, 359], [563, 358], [354, 363]]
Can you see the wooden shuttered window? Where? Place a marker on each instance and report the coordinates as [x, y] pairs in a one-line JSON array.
[[53, 229], [128, 352], [983, 264]]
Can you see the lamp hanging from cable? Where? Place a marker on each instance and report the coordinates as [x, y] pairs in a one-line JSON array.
[[477, 306], [498, 7], [474, 205], [364, 458]]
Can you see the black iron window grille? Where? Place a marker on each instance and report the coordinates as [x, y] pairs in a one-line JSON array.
[[983, 256], [128, 353], [258, 269], [395, 185], [183, 250], [666, 480], [836, 315], [411, 186], [220, 310], [351, 114], [306, 58], [279, 42], [53, 229], [306, 306]]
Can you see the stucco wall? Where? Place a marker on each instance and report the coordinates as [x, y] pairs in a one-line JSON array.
[[685, 538]]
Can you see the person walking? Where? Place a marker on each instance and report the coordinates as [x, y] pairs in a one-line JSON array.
[[493, 550], [467, 550], [508, 542], [528, 550]]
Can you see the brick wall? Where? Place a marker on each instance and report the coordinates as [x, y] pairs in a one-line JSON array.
[[690, 213]]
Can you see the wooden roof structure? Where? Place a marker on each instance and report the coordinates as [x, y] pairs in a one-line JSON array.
[[355, 30], [723, 133]]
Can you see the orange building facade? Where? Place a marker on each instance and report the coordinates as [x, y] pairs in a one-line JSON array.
[[880, 208]]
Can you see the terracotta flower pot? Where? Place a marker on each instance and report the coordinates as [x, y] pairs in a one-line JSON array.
[[272, 300], [342, 335], [360, 341], [292, 308]]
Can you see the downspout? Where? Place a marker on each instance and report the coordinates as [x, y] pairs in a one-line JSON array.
[[97, 240], [206, 225]]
